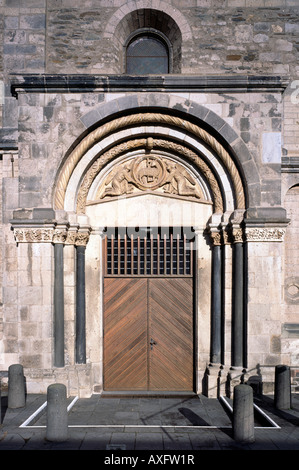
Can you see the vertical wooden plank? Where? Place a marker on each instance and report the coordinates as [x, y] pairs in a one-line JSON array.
[[118, 252], [178, 253], [165, 255], [171, 254], [185, 254], [138, 256], [152, 253], [158, 253], [132, 254], [125, 253], [112, 254]]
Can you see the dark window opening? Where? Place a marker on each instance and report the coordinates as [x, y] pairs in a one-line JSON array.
[[147, 54]]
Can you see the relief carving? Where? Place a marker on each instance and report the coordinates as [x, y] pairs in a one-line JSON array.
[[50, 235], [265, 234], [149, 173]]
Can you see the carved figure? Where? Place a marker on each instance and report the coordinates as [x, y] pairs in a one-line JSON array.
[[177, 179], [121, 182]]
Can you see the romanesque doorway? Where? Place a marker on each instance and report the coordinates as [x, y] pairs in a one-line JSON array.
[[148, 310]]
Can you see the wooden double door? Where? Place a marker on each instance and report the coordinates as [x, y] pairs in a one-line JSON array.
[[148, 319]]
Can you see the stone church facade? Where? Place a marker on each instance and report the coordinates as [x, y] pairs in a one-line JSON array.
[[149, 167]]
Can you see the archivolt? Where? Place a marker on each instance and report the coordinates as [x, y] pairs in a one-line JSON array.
[[103, 159], [144, 118]]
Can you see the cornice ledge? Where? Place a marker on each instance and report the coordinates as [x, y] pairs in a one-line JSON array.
[[74, 83]]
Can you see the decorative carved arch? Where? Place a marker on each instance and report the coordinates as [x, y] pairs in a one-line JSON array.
[[114, 152], [141, 119]]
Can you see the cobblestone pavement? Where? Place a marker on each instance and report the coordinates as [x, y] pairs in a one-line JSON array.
[[148, 424]]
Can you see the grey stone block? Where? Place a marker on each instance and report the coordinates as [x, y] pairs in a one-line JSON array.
[[43, 213], [228, 133], [198, 111]]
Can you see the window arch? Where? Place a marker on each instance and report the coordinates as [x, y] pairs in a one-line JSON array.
[[147, 53]]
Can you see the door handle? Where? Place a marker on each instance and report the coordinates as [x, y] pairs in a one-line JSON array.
[[152, 342]]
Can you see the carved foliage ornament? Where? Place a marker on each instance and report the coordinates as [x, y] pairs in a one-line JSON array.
[[149, 173], [253, 234], [51, 235], [266, 234]]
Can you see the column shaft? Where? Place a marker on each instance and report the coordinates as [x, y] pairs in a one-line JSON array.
[[216, 307], [58, 306], [238, 304], [80, 307]]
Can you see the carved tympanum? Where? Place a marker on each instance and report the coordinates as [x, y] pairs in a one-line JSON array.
[[149, 173]]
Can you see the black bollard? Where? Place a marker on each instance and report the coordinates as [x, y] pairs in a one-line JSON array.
[[243, 414], [282, 391], [16, 386], [57, 420]]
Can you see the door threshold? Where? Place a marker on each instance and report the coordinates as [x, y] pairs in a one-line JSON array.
[[147, 394]]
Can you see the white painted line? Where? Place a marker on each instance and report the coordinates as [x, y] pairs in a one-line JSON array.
[[226, 403], [161, 426], [270, 420], [275, 425], [25, 424], [72, 404]]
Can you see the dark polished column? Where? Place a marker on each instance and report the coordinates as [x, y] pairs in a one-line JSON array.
[[58, 306], [80, 306], [216, 300], [238, 300]]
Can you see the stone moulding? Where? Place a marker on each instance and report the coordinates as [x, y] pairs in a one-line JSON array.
[[126, 121], [50, 233], [41, 83]]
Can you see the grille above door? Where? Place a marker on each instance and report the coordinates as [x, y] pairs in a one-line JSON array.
[[148, 251]]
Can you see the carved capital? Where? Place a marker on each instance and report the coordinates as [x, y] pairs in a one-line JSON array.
[[237, 235], [55, 234], [216, 238], [33, 234], [82, 239], [60, 234]]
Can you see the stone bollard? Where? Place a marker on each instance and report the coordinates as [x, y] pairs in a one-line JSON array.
[[16, 386], [57, 420], [243, 414], [282, 390]]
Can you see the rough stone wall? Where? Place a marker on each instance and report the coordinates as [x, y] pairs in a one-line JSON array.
[[70, 36]]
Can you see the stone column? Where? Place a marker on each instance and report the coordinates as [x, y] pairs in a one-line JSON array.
[[59, 238], [58, 306], [81, 241], [216, 304], [238, 299]]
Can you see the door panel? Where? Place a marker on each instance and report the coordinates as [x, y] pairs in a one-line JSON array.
[[137, 310], [171, 327], [125, 334]]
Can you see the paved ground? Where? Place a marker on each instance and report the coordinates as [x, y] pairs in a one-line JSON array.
[[151, 424]]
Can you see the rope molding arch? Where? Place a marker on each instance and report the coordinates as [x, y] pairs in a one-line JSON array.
[[145, 118], [103, 159]]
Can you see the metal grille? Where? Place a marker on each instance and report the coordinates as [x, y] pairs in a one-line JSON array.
[[149, 252]]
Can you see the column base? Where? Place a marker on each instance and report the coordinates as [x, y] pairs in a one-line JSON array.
[[214, 380]]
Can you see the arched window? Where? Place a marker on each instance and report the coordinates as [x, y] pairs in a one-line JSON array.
[[147, 54]]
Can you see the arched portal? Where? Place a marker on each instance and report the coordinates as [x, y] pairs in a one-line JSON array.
[[149, 170]]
